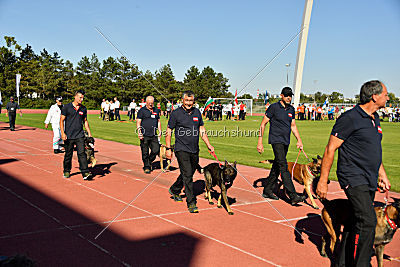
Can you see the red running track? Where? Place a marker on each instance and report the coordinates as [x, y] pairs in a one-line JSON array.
[[55, 220]]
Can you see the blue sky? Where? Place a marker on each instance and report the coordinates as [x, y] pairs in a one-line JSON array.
[[349, 42]]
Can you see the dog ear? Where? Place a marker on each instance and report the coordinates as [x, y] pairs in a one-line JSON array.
[[319, 157], [315, 160], [226, 163]]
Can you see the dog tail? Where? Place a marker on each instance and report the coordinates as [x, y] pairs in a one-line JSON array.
[[200, 169], [267, 161]]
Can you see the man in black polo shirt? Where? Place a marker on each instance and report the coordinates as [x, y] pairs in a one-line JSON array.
[[149, 130], [357, 134], [11, 109], [282, 122], [74, 115], [188, 125]]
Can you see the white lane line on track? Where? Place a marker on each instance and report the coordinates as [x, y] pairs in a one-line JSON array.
[[65, 226], [182, 226], [23, 161]]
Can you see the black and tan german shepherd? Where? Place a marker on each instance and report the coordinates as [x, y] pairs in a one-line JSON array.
[[89, 150], [337, 212], [223, 176]]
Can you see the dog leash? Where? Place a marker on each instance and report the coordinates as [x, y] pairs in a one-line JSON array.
[[294, 165], [305, 155], [215, 156], [386, 197]]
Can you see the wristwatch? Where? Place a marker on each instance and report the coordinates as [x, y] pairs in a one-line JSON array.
[[168, 148]]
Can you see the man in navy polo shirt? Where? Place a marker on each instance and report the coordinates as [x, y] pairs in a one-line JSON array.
[[74, 115], [149, 131], [11, 110], [188, 125], [281, 116], [357, 134]]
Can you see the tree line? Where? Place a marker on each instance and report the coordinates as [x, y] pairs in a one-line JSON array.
[[45, 76]]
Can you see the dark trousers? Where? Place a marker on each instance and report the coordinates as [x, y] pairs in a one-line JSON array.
[[152, 143], [117, 116], [228, 115], [132, 114], [188, 163], [280, 167], [111, 116], [11, 119], [241, 115], [69, 150], [358, 238]]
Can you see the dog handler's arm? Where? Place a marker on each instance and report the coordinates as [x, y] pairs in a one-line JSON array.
[[333, 144], [383, 181], [87, 127], [63, 135], [159, 131], [204, 136], [139, 128], [260, 147], [168, 135], [296, 134]]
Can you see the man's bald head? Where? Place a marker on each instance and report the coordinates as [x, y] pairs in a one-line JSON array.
[[150, 102]]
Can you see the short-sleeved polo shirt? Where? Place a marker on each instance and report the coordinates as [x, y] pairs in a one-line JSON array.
[[150, 120], [74, 119], [280, 123], [12, 107], [360, 155], [187, 129]]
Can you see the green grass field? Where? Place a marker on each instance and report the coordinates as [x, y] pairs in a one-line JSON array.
[[243, 149]]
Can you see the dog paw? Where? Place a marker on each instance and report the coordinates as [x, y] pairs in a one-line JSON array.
[[230, 213], [211, 203], [219, 206]]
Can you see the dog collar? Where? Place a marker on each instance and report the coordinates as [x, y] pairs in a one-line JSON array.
[[391, 223]]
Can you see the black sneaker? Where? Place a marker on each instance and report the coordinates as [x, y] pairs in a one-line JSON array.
[[296, 199], [270, 195], [175, 197], [87, 176], [66, 175], [193, 208], [147, 171], [57, 151]]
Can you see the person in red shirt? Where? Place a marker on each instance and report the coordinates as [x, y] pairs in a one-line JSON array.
[[319, 113], [241, 112]]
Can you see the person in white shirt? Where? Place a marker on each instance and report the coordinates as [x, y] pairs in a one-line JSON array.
[[116, 111], [102, 108], [112, 109], [53, 117], [106, 113], [132, 110]]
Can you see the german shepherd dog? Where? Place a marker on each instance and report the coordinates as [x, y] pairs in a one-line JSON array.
[[163, 150], [304, 174], [337, 212], [223, 176], [89, 150]]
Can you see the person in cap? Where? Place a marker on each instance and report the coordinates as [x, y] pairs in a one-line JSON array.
[[53, 117], [357, 135], [74, 115], [11, 111], [281, 116]]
